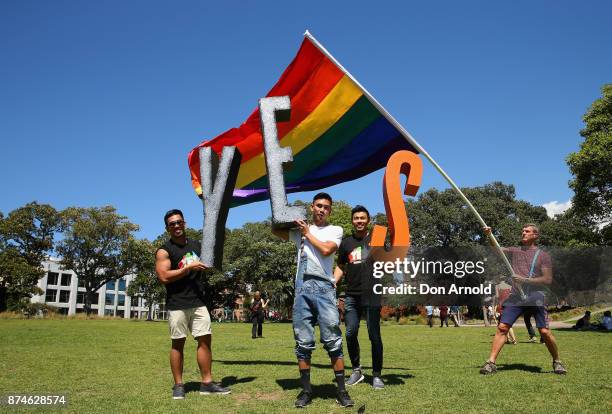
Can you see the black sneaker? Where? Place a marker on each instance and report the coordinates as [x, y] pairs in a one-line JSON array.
[[303, 399], [344, 399], [488, 368], [212, 388], [178, 392]]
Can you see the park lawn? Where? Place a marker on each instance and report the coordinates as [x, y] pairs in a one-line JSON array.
[[122, 366]]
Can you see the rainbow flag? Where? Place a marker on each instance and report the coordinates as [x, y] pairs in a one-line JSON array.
[[335, 132]]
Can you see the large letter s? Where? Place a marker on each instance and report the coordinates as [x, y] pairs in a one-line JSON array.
[[409, 164]]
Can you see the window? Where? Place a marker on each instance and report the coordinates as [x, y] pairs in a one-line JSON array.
[[110, 285], [80, 298], [109, 312], [51, 294], [52, 278], [134, 301], [66, 279], [122, 284], [81, 282], [110, 299], [64, 296], [121, 301]]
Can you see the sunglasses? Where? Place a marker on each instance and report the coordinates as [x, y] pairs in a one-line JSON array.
[[175, 223]]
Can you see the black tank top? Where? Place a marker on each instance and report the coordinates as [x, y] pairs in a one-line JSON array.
[[187, 292]]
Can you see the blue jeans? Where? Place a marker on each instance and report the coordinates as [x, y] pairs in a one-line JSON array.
[[315, 301], [353, 309]]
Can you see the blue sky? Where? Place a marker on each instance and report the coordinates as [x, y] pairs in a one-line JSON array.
[[102, 101]]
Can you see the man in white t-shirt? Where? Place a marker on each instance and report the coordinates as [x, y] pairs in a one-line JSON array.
[[315, 295]]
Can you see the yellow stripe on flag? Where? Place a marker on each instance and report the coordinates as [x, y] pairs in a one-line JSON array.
[[340, 99]]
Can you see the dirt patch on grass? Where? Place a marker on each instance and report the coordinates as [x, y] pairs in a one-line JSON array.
[[269, 396], [259, 396]]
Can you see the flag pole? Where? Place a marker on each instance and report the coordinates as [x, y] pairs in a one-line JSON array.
[[415, 144]]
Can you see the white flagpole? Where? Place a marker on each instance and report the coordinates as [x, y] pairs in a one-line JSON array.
[[414, 143]]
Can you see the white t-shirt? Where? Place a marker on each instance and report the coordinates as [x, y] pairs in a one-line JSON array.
[[310, 260]]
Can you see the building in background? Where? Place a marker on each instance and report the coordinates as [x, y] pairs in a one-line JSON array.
[[62, 289]]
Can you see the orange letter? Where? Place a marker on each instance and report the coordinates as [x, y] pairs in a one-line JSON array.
[[409, 164]]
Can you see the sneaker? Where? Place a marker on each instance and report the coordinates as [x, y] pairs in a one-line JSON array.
[[344, 399], [355, 378], [212, 388], [178, 392], [558, 368], [378, 383], [303, 399], [533, 339], [488, 368]]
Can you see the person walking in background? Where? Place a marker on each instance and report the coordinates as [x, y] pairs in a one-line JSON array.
[[258, 307], [454, 313], [443, 316], [429, 310]]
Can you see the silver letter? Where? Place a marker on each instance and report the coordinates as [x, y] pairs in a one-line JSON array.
[[272, 110], [218, 180]]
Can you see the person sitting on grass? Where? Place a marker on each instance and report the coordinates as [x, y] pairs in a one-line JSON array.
[[583, 323], [606, 322]]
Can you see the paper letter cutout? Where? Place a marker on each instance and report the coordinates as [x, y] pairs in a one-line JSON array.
[[218, 180], [272, 110], [409, 164]]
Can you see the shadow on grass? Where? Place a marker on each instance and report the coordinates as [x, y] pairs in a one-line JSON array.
[[193, 386], [325, 391], [520, 367], [390, 379], [289, 363], [602, 331]]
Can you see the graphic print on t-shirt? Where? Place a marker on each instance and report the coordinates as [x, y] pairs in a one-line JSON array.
[[354, 257], [187, 259]]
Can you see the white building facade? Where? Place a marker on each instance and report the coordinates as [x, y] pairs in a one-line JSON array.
[[62, 289]]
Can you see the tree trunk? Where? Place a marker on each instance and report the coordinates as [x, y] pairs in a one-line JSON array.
[[484, 314], [150, 311], [88, 301], [3, 306]]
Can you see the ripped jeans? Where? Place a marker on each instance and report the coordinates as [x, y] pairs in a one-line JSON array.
[[315, 301]]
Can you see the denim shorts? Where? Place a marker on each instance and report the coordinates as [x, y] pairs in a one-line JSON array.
[[315, 302], [510, 313]]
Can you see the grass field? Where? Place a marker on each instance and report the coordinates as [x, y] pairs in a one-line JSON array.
[[122, 366]]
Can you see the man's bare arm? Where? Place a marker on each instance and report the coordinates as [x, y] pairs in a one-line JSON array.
[[487, 232], [163, 268], [338, 273], [325, 248]]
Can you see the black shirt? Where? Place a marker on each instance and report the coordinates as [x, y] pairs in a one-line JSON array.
[[188, 291], [354, 254]]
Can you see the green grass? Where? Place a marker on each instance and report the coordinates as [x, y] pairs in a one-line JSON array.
[[122, 366]]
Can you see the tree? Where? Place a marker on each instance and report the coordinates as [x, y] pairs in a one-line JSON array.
[[145, 282], [592, 166], [26, 238], [441, 219], [98, 246], [256, 259]]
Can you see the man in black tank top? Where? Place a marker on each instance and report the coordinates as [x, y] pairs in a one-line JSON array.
[[178, 267]]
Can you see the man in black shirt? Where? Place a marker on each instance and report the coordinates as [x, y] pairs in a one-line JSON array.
[[178, 267], [356, 264]]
